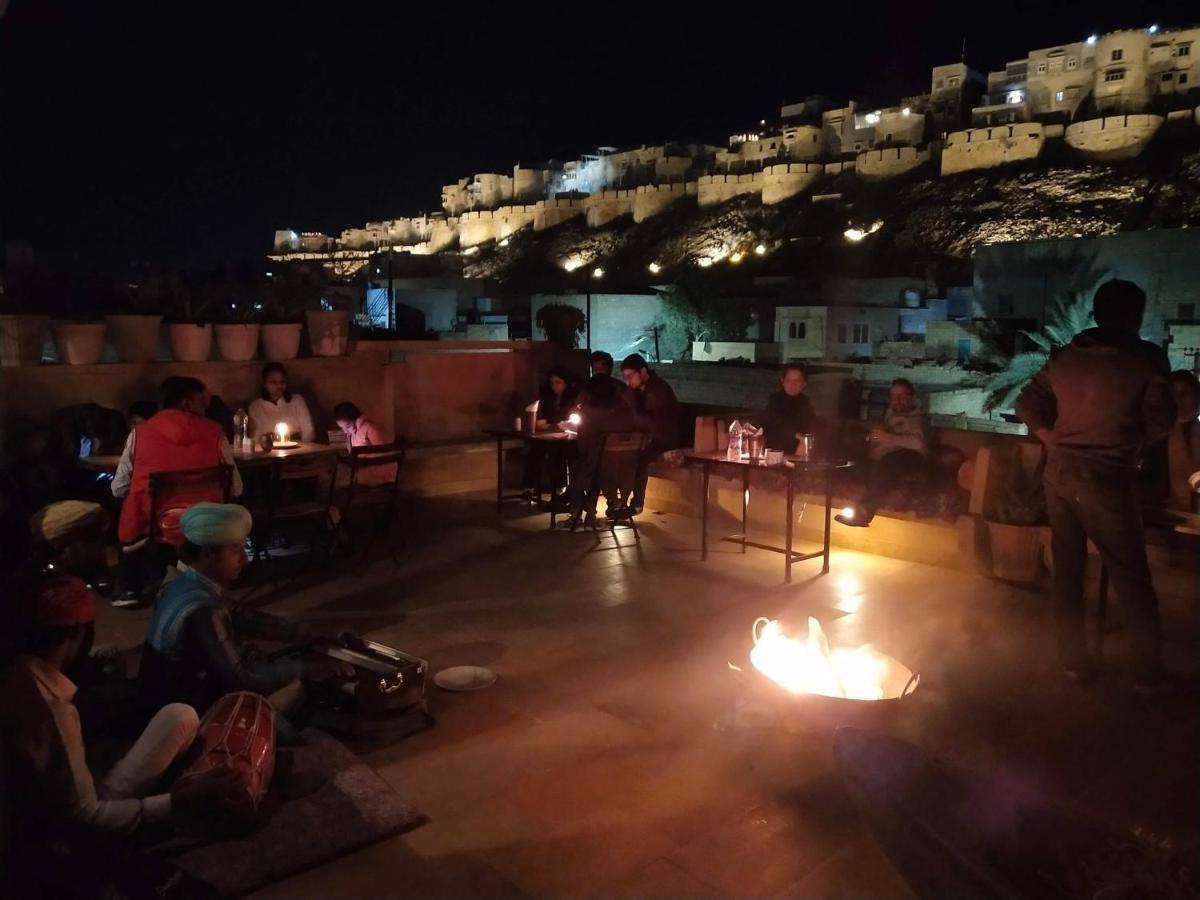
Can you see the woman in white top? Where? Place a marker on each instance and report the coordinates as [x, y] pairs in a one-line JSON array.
[[278, 404]]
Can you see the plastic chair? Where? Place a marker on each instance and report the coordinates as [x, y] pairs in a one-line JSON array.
[[382, 495], [172, 492]]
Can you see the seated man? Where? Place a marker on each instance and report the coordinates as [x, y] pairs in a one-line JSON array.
[[55, 792], [654, 400], [193, 652], [789, 414], [68, 538], [899, 449], [602, 411], [177, 437]]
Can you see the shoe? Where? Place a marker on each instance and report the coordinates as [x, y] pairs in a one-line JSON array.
[[573, 523], [126, 600], [855, 518]]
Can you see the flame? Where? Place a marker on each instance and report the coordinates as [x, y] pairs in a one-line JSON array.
[[811, 667]]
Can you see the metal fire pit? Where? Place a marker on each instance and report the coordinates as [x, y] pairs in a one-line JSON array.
[[760, 701]]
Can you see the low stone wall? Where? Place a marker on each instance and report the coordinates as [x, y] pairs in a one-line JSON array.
[[784, 181], [549, 213], [714, 189], [605, 206], [985, 148], [1113, 137], [879, 165]]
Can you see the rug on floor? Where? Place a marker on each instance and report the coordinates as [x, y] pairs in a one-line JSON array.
[[352, 807]]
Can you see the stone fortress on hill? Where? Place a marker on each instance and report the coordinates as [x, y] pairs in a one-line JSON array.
[[1103, 97]]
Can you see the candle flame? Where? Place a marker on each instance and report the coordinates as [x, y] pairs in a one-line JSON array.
[[281, 433]]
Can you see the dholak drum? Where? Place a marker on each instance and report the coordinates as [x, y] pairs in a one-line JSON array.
[[238, 733]]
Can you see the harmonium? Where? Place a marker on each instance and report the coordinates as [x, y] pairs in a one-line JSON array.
[[389, 684]]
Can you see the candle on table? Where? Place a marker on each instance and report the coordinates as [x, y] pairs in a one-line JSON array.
[[281, 433]]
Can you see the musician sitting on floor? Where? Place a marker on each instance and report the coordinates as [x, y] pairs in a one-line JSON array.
[[194, 652], [53, 787]]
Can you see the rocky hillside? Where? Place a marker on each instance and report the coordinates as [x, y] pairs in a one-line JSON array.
[[923, 218]]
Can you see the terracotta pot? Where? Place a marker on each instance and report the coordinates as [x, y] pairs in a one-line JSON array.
[[281, 340], [237, 343], [135, 337], [1016, 551], [22, 339], [79, 343], [190, 342], [328, 332]]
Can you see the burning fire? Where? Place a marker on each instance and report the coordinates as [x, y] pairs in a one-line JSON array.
[[811, 667]]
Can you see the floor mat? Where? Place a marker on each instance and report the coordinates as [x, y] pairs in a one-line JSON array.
[[352, 807]]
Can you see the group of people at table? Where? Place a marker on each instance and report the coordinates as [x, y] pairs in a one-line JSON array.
[[642, 402]]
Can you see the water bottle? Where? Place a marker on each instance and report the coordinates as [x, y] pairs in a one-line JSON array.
[[241, 432]]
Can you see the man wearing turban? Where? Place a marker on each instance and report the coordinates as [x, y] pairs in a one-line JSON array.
[[52, 618], [194, 650]]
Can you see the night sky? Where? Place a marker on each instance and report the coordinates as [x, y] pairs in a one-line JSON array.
[[184, 132]]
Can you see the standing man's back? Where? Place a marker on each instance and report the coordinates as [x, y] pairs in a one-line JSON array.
[[1096, 404]]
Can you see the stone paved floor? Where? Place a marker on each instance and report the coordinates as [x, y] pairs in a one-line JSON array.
[[604, 760]]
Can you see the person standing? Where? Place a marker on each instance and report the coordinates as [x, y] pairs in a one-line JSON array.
[[789, 414], [277, 404], [1095, 405], [653, 399]]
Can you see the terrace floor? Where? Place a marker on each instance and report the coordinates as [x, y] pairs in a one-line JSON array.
[[598, 763]]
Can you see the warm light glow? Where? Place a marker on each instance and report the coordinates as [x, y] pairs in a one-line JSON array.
[[281, 433], [575, 419], [811, 667], [504, 243], [849, 590], [573, 263], [470, 251], [760, 250], [906, 111], [848, 512], [1091, 41], [857, 234], [597, 272], [1153, 29], [719, 254], [737, 257], [654, 268], [704, 262]]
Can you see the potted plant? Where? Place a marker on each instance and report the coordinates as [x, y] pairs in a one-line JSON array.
[[1015, 524], [189, 332], [23, 321], [328, 330], [290, 291], [135, 329], [79, 338], [237, 336]]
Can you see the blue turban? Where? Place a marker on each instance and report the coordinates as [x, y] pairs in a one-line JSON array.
[[213, 524]]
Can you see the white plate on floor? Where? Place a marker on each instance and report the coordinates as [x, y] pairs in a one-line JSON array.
[[464, 678]]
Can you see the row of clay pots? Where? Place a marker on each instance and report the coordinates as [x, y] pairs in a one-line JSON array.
[[135, 339]]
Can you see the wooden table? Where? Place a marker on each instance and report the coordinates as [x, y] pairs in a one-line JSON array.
[[241, 460], [503, 434], [718, 459]]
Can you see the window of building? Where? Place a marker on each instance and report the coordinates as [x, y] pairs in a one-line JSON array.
[[1041, 69], [801, 330], [1187, 311], [815, 138], [1183, 50], [841, 334], [888, 136], [1168, 76], [1072, 62], [861, 333], [953, 82], [1058, 96], [1118, 55], [1119, 75], [1183, 77]]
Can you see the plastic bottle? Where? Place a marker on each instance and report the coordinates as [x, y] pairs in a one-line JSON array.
[[241, 432]]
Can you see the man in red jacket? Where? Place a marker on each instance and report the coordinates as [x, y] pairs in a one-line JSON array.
[[1096, 404], [177, 437]]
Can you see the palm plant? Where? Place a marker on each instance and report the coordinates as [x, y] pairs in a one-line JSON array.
[[1068, 315]]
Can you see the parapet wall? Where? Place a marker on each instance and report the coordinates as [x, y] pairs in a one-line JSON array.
[[549, 213], [651, 199], [481, 226], [985, 148], [784, 181], [1113, 137], [714, 189], [878, 165], [603, 207]]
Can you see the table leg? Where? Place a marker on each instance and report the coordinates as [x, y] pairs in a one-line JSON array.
[[704, 512], [499, 474], [787, 530], [745, 503], [828, 517]]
